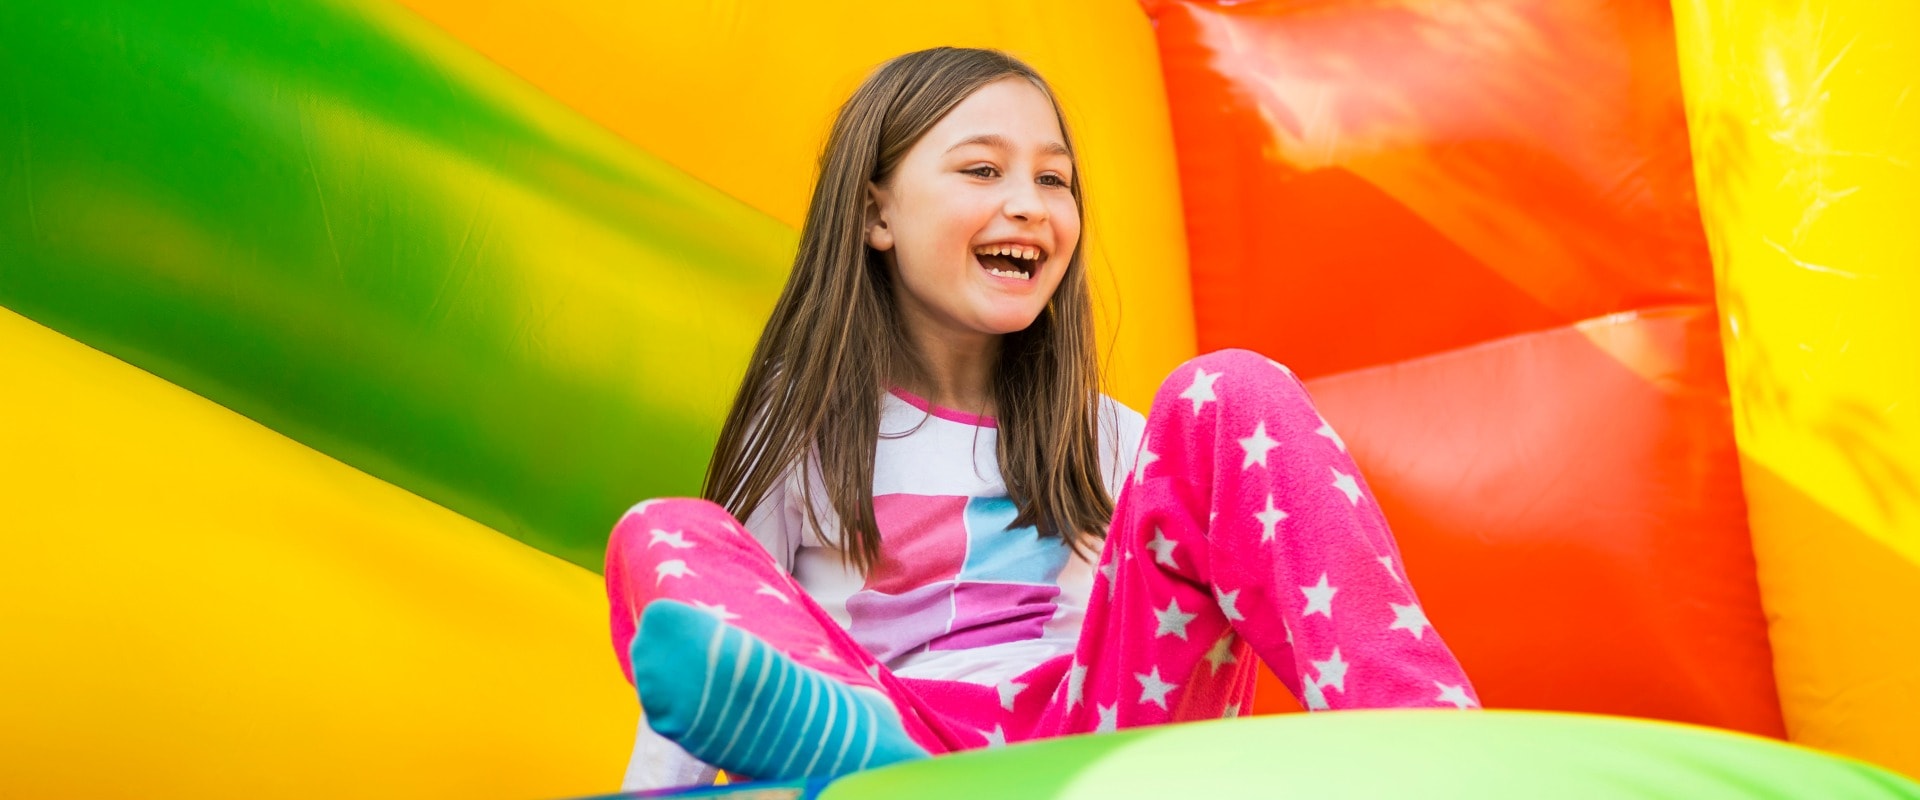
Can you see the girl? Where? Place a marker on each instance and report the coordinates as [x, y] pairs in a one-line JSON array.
[[925, 465]]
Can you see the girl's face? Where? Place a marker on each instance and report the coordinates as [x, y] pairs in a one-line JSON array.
[[978, 221]]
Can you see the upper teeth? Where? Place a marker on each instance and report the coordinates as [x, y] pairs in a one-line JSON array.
[[1019, 251]]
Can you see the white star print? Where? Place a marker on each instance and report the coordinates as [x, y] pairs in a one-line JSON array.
[[1279, 366], [767, 589], [1221, 654], [1289, 629], [1409, 618], [1109, 719], [1162, 548], [1346, 484], [1076, 685], [1257, 446], [1227, 601], [1387, 561], [1233, 711], [1010, 691], [1108, 570], [641, 507], [1140, 469], [1201, 392], [718, 611], [1326, 429], [1457, 695], [672, 569], [1319, 598], [996, 737], [1269, 520], [873, 671], [1333, 671], [827, 654], [1173, 620], [1153, 689], [1314, 698], [674, 539]]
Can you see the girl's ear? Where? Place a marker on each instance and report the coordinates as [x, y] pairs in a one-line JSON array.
[[879, 236]]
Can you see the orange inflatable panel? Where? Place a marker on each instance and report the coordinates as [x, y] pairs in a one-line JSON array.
[[1366, 182], [1570, 510]]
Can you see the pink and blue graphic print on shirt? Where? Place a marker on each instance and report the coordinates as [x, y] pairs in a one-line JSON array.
[[953, 574]]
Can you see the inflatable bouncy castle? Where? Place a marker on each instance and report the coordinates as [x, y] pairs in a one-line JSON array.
[[335, 335]]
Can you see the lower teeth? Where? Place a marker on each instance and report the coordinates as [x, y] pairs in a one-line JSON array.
[[1010, 274]]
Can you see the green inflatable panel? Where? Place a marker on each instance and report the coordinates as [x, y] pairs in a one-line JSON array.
[[334, 219], [1391, 754]]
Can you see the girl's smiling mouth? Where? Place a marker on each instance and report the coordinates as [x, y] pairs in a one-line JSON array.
[[1010, 260]]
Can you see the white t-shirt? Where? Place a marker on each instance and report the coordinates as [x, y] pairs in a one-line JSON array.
[[956, 595]]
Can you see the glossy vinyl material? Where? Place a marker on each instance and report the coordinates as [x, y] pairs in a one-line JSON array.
[[1370, 182], [1806, 137], [196, 606], [1570, 510], [1378, 754], [740, 94], [336, 221]]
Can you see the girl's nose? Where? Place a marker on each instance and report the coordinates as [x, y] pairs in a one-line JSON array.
[[1024, 203]]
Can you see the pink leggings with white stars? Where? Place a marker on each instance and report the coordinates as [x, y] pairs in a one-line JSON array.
[[1246, 530]]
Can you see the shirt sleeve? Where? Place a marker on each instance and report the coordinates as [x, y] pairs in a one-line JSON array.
[[1122, 429], [778, 521]]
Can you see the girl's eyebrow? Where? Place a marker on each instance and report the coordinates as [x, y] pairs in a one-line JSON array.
[[997, 141]]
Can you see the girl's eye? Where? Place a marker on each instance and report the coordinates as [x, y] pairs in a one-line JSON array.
[[981, 172], [1054, 180]]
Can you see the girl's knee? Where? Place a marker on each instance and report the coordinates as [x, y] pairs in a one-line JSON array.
[[1250, 370], [675, 519], [677, 508], [1232, 376], [1236, 359]]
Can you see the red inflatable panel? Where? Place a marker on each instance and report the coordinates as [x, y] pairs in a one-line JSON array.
[[1367, 182], [1570, 510]]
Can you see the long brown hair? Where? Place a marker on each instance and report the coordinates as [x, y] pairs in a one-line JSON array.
[[828, 352]]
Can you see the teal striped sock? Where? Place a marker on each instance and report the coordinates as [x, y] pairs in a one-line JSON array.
[[733, 701]]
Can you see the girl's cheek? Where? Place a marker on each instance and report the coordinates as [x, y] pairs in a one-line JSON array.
[[1069, 230], [1068, 213]]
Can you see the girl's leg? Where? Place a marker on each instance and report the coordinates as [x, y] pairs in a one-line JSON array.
[[734, 662], [1247, 527]]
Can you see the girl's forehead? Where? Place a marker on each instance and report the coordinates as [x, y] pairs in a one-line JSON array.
[[1009, 114]]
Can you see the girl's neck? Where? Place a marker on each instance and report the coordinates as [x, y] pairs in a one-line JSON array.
[[955, 372]]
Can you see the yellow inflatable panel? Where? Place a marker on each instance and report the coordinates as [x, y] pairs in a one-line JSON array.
[[740, 95], [1806, 142], [195, 606]]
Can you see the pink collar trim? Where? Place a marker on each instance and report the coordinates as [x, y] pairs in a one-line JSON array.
[[948, 414]]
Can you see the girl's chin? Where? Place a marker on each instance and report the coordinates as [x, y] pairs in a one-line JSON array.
[[1003, 324]]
